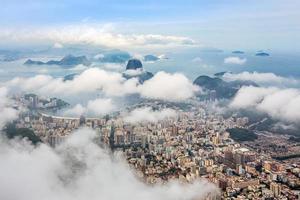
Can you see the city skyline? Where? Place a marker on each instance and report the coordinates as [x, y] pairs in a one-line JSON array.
[[164, 100]]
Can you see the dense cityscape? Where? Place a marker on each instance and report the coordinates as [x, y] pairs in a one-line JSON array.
[[191, 145], [149, 100]]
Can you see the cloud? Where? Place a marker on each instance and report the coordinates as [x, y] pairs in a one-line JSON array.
[[57, 45], [77, 170], [93, 34], [162, 56], [163, 86], [147, 114], [197, 60], [113, 66], [7, 112], [90, 80], [170, 87], [96, 107], [283, 104], [99, 56], [235, 60], [269, 79], [134, 72], [79, 68], [76, 110], [100, 106], [283, 126]]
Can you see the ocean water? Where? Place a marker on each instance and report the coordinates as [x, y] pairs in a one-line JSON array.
[[192, 63]]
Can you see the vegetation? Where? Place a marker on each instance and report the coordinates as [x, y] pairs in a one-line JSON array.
[[242, 135], [12, 131], [294, 139], [286, 157]]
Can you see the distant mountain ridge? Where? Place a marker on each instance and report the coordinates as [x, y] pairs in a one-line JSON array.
[[263, 54], [218, 88], [149, 58], [238, 52], [67, 61], [114, 56]]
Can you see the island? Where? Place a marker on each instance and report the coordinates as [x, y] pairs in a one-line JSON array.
[[262, 54], [238, 52], [67, 61], [134, 69], [150, 58], [217, 88], [114, 56]]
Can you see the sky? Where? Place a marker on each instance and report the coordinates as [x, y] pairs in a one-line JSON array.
[[226, 24]]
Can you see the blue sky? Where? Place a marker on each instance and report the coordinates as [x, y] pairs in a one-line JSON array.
[[246, 24]]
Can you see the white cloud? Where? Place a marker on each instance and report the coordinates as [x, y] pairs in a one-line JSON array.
[[197, 60], [77, 110], [100, 106], [79, 68], [269, 79], [162, 56], [170, 87], [134, 72], [90, 80], [57, 45], [78, 170], [283, 104], [250, 96], [98, 56], [113, 66], [93, 34], [163, 86], [95, 107], [43, 71], [147, 114], [283, 126], [7, 112], [235, 60]]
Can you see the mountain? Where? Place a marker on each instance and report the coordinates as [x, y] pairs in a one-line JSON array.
[[263, 54], [71, 60], [149, 58], [12, 131], [238, 52], [67, 61], [70, 77], [142, 76], [218, 88], [134, 69], [220, 74], [33, 62], [9, 55], [134, 64], [115, 56]]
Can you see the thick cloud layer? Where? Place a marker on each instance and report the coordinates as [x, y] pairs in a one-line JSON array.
[[267, 79], [170, 87], [147, 114], [7, 112], [92, 35], [163, 86], [90, 80], [95, 107], [79, 170], [283, 104]]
